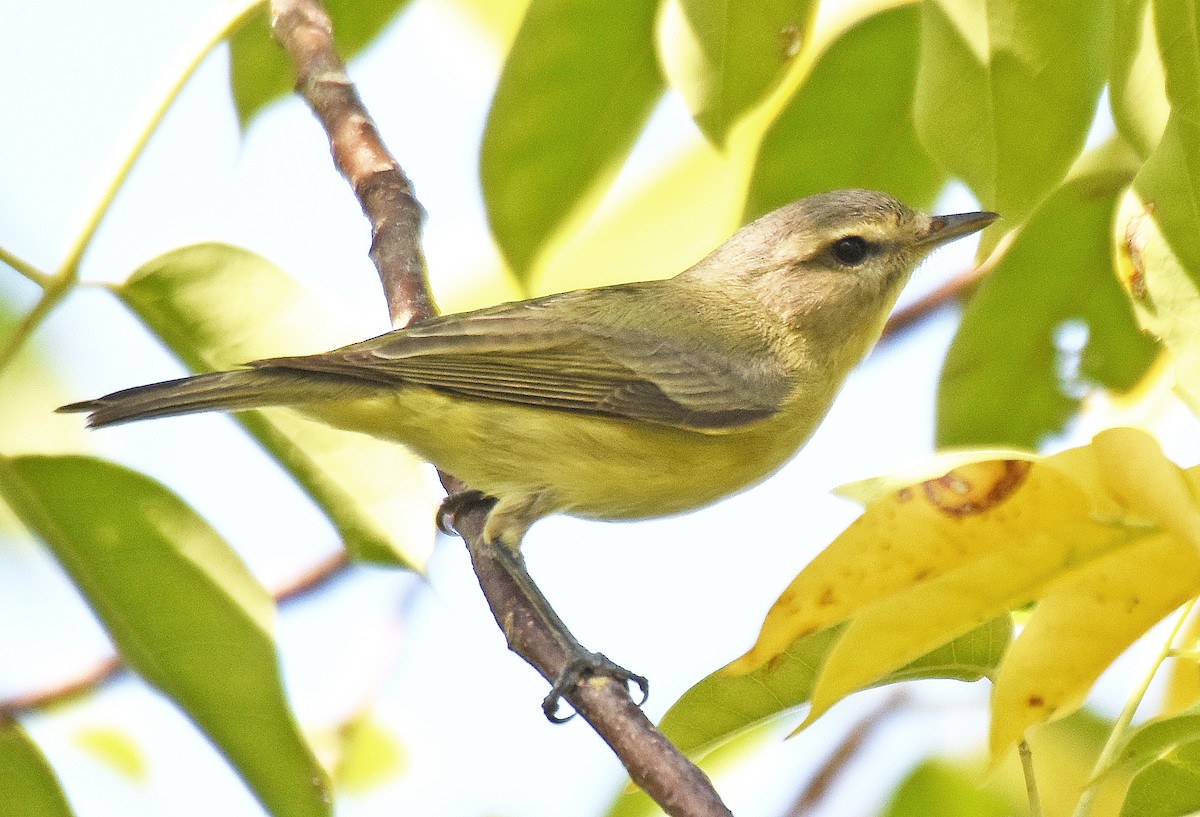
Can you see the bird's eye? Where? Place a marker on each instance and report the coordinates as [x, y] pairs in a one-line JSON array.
[[851, 250]]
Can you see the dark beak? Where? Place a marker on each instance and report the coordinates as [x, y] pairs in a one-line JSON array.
[[948, 228]]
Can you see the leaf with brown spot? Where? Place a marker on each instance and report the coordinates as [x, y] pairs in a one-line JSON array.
[[903, 540], [1104, 537]]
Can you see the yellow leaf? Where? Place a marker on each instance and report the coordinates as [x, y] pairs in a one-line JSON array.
[[908, 538], [1147, 484], [1081, 624], [898, 629], [115, 749], [1107, 536], [371, 756], [866, 491]]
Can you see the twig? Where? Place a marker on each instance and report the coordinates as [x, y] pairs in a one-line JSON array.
[[101, 672], [813, 793], [1031, 789], [924, 306], [313, 578], [305, 32]]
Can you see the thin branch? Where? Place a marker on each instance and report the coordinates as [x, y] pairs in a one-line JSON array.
[[314, 578], [923, 307], [653, 762], [103, 671], [55, 291], [822, 782], [304, 30]]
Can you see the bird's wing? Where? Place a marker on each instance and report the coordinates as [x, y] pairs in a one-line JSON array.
[[529, 354]]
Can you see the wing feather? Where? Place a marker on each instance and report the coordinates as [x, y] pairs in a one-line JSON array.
[[529, 354]]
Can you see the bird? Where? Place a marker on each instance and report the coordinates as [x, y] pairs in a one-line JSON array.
[[621, 402]]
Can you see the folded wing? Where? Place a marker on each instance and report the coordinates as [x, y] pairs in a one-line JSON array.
[[538, 353]]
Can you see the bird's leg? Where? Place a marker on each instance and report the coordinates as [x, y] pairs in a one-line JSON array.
[[580, 662]]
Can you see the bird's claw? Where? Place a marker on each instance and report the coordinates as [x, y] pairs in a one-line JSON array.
[[456, 504], [584, 664]]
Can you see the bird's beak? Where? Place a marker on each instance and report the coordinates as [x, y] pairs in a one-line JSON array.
[[948, 228]]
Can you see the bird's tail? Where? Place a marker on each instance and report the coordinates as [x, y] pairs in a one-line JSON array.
[[220, 391]]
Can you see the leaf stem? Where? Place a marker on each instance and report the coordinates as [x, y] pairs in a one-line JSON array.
[[1121, 726], [26, 269], [1035, 803], [124, 156], [224, 20], [54, 291]]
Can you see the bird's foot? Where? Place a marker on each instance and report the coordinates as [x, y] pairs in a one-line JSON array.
[[583, 664], [456, 504]]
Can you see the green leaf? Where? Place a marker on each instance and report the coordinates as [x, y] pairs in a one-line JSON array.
[[1170, 179], [218, 306], [721, 706], [969, 657], [1007, 91], [726, 57], [937, 787], [1153, 740], [822, 142], [1165, 754], [577, 87], [259, 71], [1159, 253], [1170, 788], [1158, 228], [1002, 382], [29, 785], [1179, 45], [1137, 83], [184, 612]]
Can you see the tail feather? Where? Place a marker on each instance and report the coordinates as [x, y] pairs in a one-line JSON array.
[[218, 391]]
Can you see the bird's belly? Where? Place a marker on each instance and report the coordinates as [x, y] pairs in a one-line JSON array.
[[578, 464]]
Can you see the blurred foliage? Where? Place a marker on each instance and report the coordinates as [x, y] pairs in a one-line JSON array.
[[374, 492], [725, 58], [936, 788], [1092, 278], [573, 65], [1034, 389], [29, 785], [183, 610]]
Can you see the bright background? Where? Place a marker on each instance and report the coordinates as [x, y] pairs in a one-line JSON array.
[[672, 599]]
